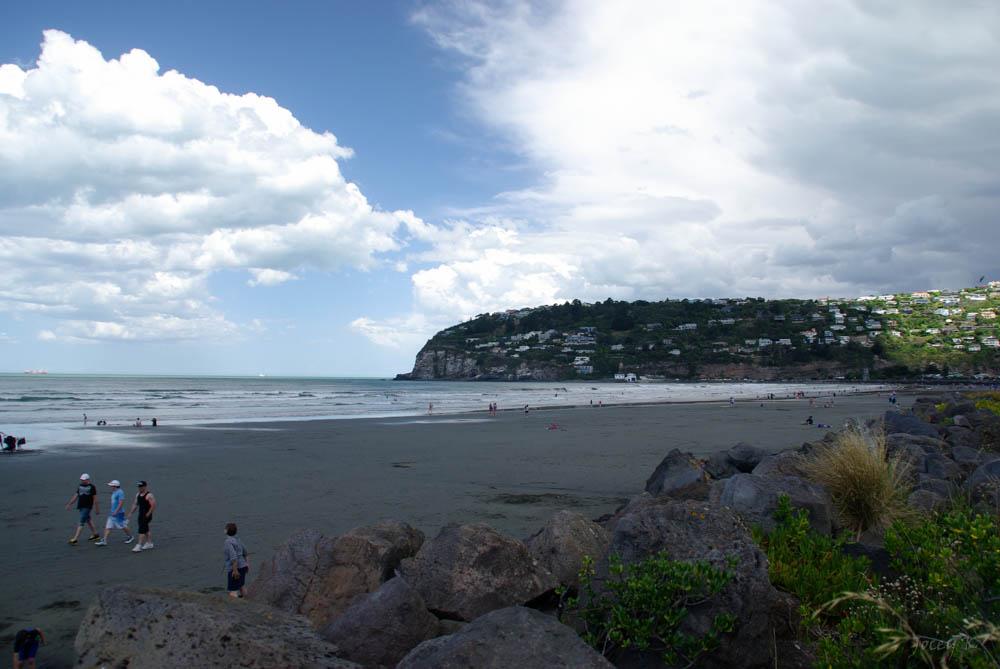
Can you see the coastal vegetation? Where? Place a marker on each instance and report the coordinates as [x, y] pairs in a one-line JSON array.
[[936, 606], [935, 333], [869, 488]]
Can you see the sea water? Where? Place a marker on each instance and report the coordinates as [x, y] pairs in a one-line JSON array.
[[50, 408]]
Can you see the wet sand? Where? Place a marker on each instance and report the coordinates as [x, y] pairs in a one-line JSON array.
[[272, 478]]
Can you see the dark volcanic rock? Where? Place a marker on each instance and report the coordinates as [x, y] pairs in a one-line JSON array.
[[160, 629], [468, 570], [926, 500], [942, 467], [383, 626], [320, 576], [718, 466], [690, 530], [984, 482], [561, 545], [678, 475], [755, 499], [510, 637], [745, 457], [897, 423], [786, 463], [966, 458]]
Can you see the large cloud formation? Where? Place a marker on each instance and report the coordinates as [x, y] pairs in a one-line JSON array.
[[122, 189], [719, 148]]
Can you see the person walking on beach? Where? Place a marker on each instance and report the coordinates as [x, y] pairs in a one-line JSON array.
[[430, 408], [146, 503], [86, 503], [116, 517], [26, 646], [237, 564]]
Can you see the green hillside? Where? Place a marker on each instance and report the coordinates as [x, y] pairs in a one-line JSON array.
[[892, 336]]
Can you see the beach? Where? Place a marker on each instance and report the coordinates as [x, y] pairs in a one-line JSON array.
[[511, 471]]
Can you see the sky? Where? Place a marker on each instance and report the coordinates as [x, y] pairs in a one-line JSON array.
[[316, 188]]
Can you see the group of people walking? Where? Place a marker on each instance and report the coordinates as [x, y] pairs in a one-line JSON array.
[[87, 505]]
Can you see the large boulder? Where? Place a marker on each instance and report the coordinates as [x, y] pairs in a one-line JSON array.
[[509, 637], [468, 570], [785, 463], [565, 540], [160, 629], [898, 423], [755, 499], [942, 467], [694, 531], [966, 458], [964, 437], [745, 457], [678, 475], [926, 501], [320, 576], [984, 482], [383, 626]]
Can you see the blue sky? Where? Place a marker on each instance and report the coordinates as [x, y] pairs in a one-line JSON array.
[[486, 156]]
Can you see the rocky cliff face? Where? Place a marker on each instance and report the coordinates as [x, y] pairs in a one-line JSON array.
[[454, 365]]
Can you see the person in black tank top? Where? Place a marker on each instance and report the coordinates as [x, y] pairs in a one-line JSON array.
[[145, 502]]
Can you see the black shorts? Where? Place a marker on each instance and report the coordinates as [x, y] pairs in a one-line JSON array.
[[234, 584], [144, 524]]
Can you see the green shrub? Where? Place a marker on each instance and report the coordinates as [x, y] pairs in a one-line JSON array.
[[811, 566], [941, 609], [641, 606]]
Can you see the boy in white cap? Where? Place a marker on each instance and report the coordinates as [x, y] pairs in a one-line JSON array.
[[116, 517], [86, 502]]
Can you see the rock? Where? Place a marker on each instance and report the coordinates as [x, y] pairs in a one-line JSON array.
[[942, 467], [900, 440], [383, 626], [897, 423], [691, 530], [561, 545], [132, 627], [718, 466], [926, 501], [320, 576], [755, 499], [961, 436], [468, 570], [984, 482], [678, 475], [959, 408], [962, 421], [745, 457], [509, 637], [786, 463], [933, 484], [966, 458], [913, 455]]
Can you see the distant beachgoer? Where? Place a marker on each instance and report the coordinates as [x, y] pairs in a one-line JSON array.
[[237, 564], [430, 408], [84, 419], [600, 404], [116, 517], [138, 422], [86, 502], [525, 408], [146, 503], [732, 401], [553, 426], [26, 646], [154, 421], [809, 421]]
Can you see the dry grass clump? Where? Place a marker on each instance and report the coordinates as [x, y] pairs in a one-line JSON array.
[[868, 488]]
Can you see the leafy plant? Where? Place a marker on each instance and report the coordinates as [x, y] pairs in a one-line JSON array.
[[811, 566], [642, 606], [868, 488]]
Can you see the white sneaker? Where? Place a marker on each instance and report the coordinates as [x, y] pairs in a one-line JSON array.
[[102, 542], [147, 546], [129, 540], [138, 548]]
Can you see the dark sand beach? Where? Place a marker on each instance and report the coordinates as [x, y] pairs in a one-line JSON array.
[[272, 478]]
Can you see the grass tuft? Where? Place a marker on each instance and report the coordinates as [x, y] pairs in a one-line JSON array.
[[868, 488]]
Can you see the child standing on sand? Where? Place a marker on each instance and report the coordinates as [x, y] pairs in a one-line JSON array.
[[237, 564]]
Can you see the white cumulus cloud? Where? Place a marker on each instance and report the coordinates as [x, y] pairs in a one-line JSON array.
[[123, 188]]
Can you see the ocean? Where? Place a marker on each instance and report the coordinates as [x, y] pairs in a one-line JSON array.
[[48, 409]]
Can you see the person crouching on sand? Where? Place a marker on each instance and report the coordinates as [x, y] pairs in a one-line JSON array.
[[86, 503], [237, 564], [26, 646], [116, 517], [146, 503]]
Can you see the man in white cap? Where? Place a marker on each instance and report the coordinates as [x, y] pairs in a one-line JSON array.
[[116, 517], [86, 502]]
